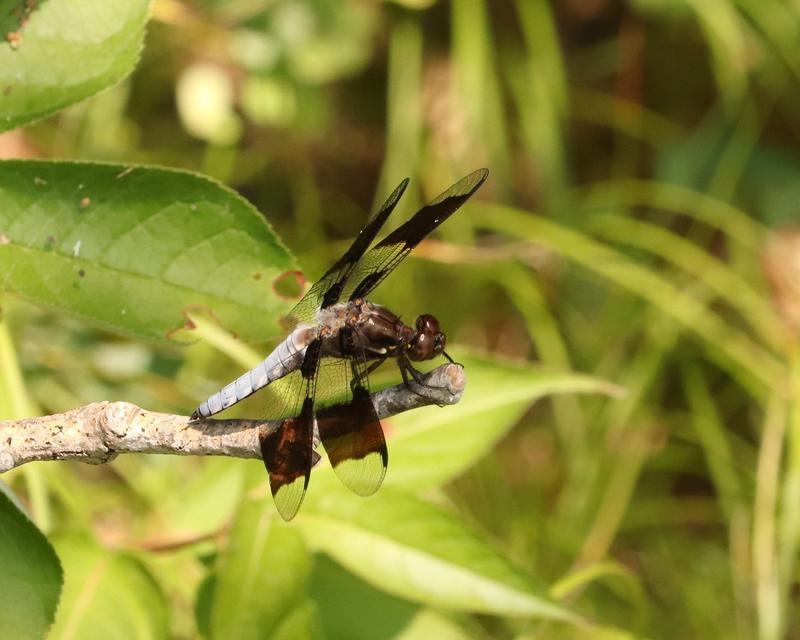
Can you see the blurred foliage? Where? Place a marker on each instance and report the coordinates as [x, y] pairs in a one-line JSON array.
[[639, 226]]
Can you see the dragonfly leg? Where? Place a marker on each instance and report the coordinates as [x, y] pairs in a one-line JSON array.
[[446, 355], [361, 377], [418, 378]]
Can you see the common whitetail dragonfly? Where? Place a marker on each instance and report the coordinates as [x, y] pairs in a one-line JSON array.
[[337, 338]]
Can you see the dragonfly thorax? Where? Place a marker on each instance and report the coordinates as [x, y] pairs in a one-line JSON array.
[[360, 326]]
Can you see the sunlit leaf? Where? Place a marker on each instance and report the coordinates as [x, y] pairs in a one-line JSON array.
[[260, 578], [134, 248], [106, 595], [416, 551], [432, 624], [430, 446], [30, 575], [61, 51], [301, 622], [202, 505]]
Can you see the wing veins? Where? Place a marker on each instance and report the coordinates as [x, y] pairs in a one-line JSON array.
[[351, 431], [327, 290], [288, 452], [374, 268]]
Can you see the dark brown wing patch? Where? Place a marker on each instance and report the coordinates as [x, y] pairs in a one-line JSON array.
[[352, 435], [288, 457], [288, 452]]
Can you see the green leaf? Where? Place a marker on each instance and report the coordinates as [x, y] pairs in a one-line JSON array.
[[202, 504], [301, 622], [202, 606], [106, 595], [261, 577], [30, 576], [430, 446], [753, 365], [416, 551], [705, 268], [133, 248], [380, 617], [626, 584], [432, 624], [64, 52]]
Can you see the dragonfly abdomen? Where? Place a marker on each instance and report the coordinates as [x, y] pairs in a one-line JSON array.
[[285, 358]]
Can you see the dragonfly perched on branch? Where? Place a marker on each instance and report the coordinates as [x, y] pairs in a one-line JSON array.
[[337, 338]]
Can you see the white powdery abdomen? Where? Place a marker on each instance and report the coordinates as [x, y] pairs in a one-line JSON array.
[[285, 358]]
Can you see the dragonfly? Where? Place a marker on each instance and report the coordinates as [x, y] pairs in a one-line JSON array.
[[336, 339]]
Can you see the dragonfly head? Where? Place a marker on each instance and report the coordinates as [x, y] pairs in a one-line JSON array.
[[428, 341]]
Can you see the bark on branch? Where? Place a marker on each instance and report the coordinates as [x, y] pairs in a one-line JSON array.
[[98, 432]]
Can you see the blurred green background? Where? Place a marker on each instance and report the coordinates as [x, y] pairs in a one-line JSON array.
[[636, 227]]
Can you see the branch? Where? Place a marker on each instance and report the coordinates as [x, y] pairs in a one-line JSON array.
[[98, 432]]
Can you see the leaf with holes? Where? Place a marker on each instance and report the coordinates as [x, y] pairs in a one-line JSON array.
[[133, 249]]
